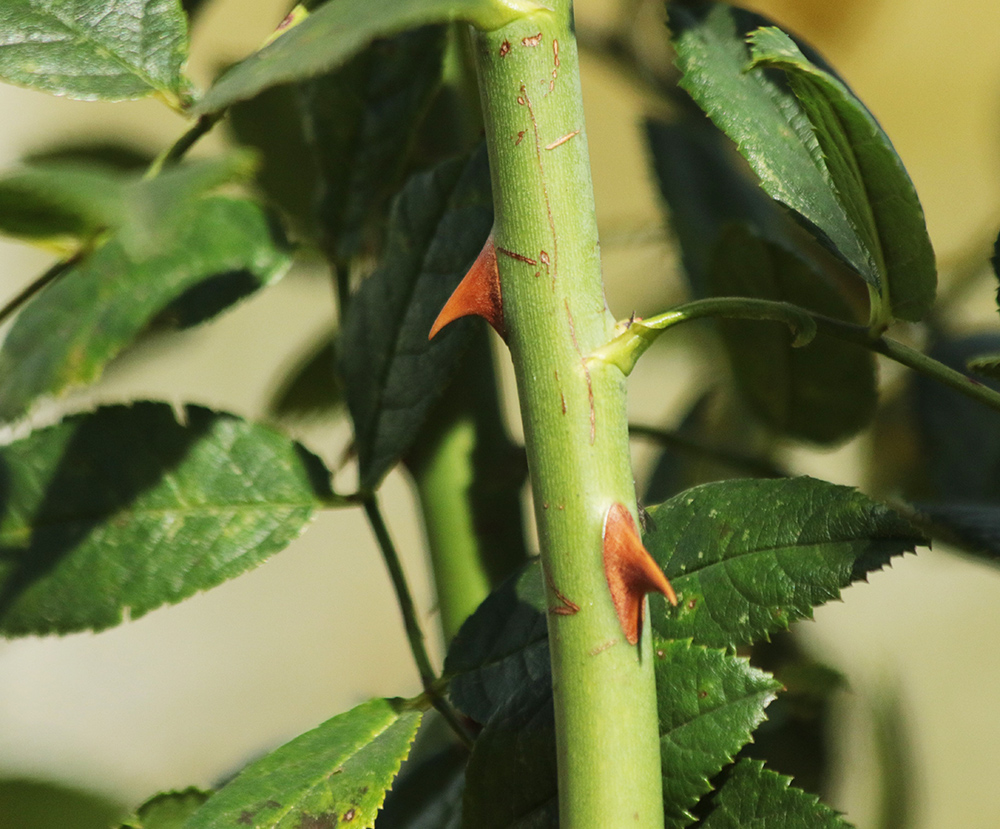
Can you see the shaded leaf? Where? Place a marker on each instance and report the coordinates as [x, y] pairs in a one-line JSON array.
[[823, 392], [709, 703], [754, 797], [843, 180], [972, 525], [336, 773], [748, 557], [38, 804], [102, 304], [867, 174], [312, 388], [960, 438], [109, 50], [428, 796], [510, 782], [392, 374], [360, 126], [123, 510], [988, 365], [167, 811], [336, 32], [502, 647]]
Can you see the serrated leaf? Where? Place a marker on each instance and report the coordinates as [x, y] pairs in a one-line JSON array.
[[709, 703], [755, 797], [110, 50], [748, 557], [336, 774], [392, 374], [975, 525], [336, 32], [101, 305], [867, 174], [828, 178], [123, 510], [510, 782], [428, 796], [167, 811], [502, 647], [823, 392], [360, 123]]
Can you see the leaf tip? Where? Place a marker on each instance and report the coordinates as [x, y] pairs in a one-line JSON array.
[[478, 294], [631, 571]]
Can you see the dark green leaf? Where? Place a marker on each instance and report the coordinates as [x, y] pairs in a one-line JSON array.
[[39, 804], [867, 175], [988, 365], [337, 31], [123, 510], [167, 811], [392, 374], [510, 782], [502, 647], [754, 797], [101, 305], [428, 796], [109, 50], [868, 224], [960, 437], [336, 774], [748, 557], [360, 126], [312, 388], [709, 703], [972, 525], [825, 391]]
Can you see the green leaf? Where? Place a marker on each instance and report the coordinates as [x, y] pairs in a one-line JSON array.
[[826, 175], [360, 125], [428, 796], [336, 774], [988, 365], [312, 388], [709, 703], [102, 304], [392, 374], [823, 392], [972, 525], [167, 811], [337, 31], [109, 50], [41, 804], [748, 557], [502, 647], [754, 797], [123, 510], [510, 782], [867, 174]]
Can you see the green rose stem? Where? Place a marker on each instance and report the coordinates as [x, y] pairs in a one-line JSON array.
[[574, 415]]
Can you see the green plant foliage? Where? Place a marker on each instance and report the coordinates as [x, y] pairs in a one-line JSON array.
[[502, 647], [102, 304], [709, 703], [841, 177], [867, 175], [125, 509], [95, 49], [336, 774], [429, 794], [334, 33], [360, 125], [823, 392], [312, 388], [393, 375], [36, 804], [754, 797], [748, 557], [169, 810]]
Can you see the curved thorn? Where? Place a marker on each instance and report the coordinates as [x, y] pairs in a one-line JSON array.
[[478, 294]]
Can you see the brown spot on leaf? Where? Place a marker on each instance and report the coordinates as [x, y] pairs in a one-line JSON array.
[[318, 822], [246, 818], [691, 603], [349, 815]]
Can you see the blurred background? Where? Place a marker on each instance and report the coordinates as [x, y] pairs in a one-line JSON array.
[[187, 694]]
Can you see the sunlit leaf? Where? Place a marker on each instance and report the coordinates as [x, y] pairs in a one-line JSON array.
[[337, 774], [167, 811], [117, 512]]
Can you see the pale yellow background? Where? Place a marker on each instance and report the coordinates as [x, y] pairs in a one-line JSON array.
[[188, 693]]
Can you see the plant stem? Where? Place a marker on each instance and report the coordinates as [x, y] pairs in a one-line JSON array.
[[179, 148], [760, 467], [51, 275], [414, 633], [574, 416]]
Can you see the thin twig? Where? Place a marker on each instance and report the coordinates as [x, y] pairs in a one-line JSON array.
[[51, 275], [758, 466], [179, 148]]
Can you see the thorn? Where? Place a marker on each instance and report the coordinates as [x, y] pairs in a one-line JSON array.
[[478, 294], [631, 571]]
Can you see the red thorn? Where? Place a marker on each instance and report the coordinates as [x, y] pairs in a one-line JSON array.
[[478, 294], [631, 571]]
